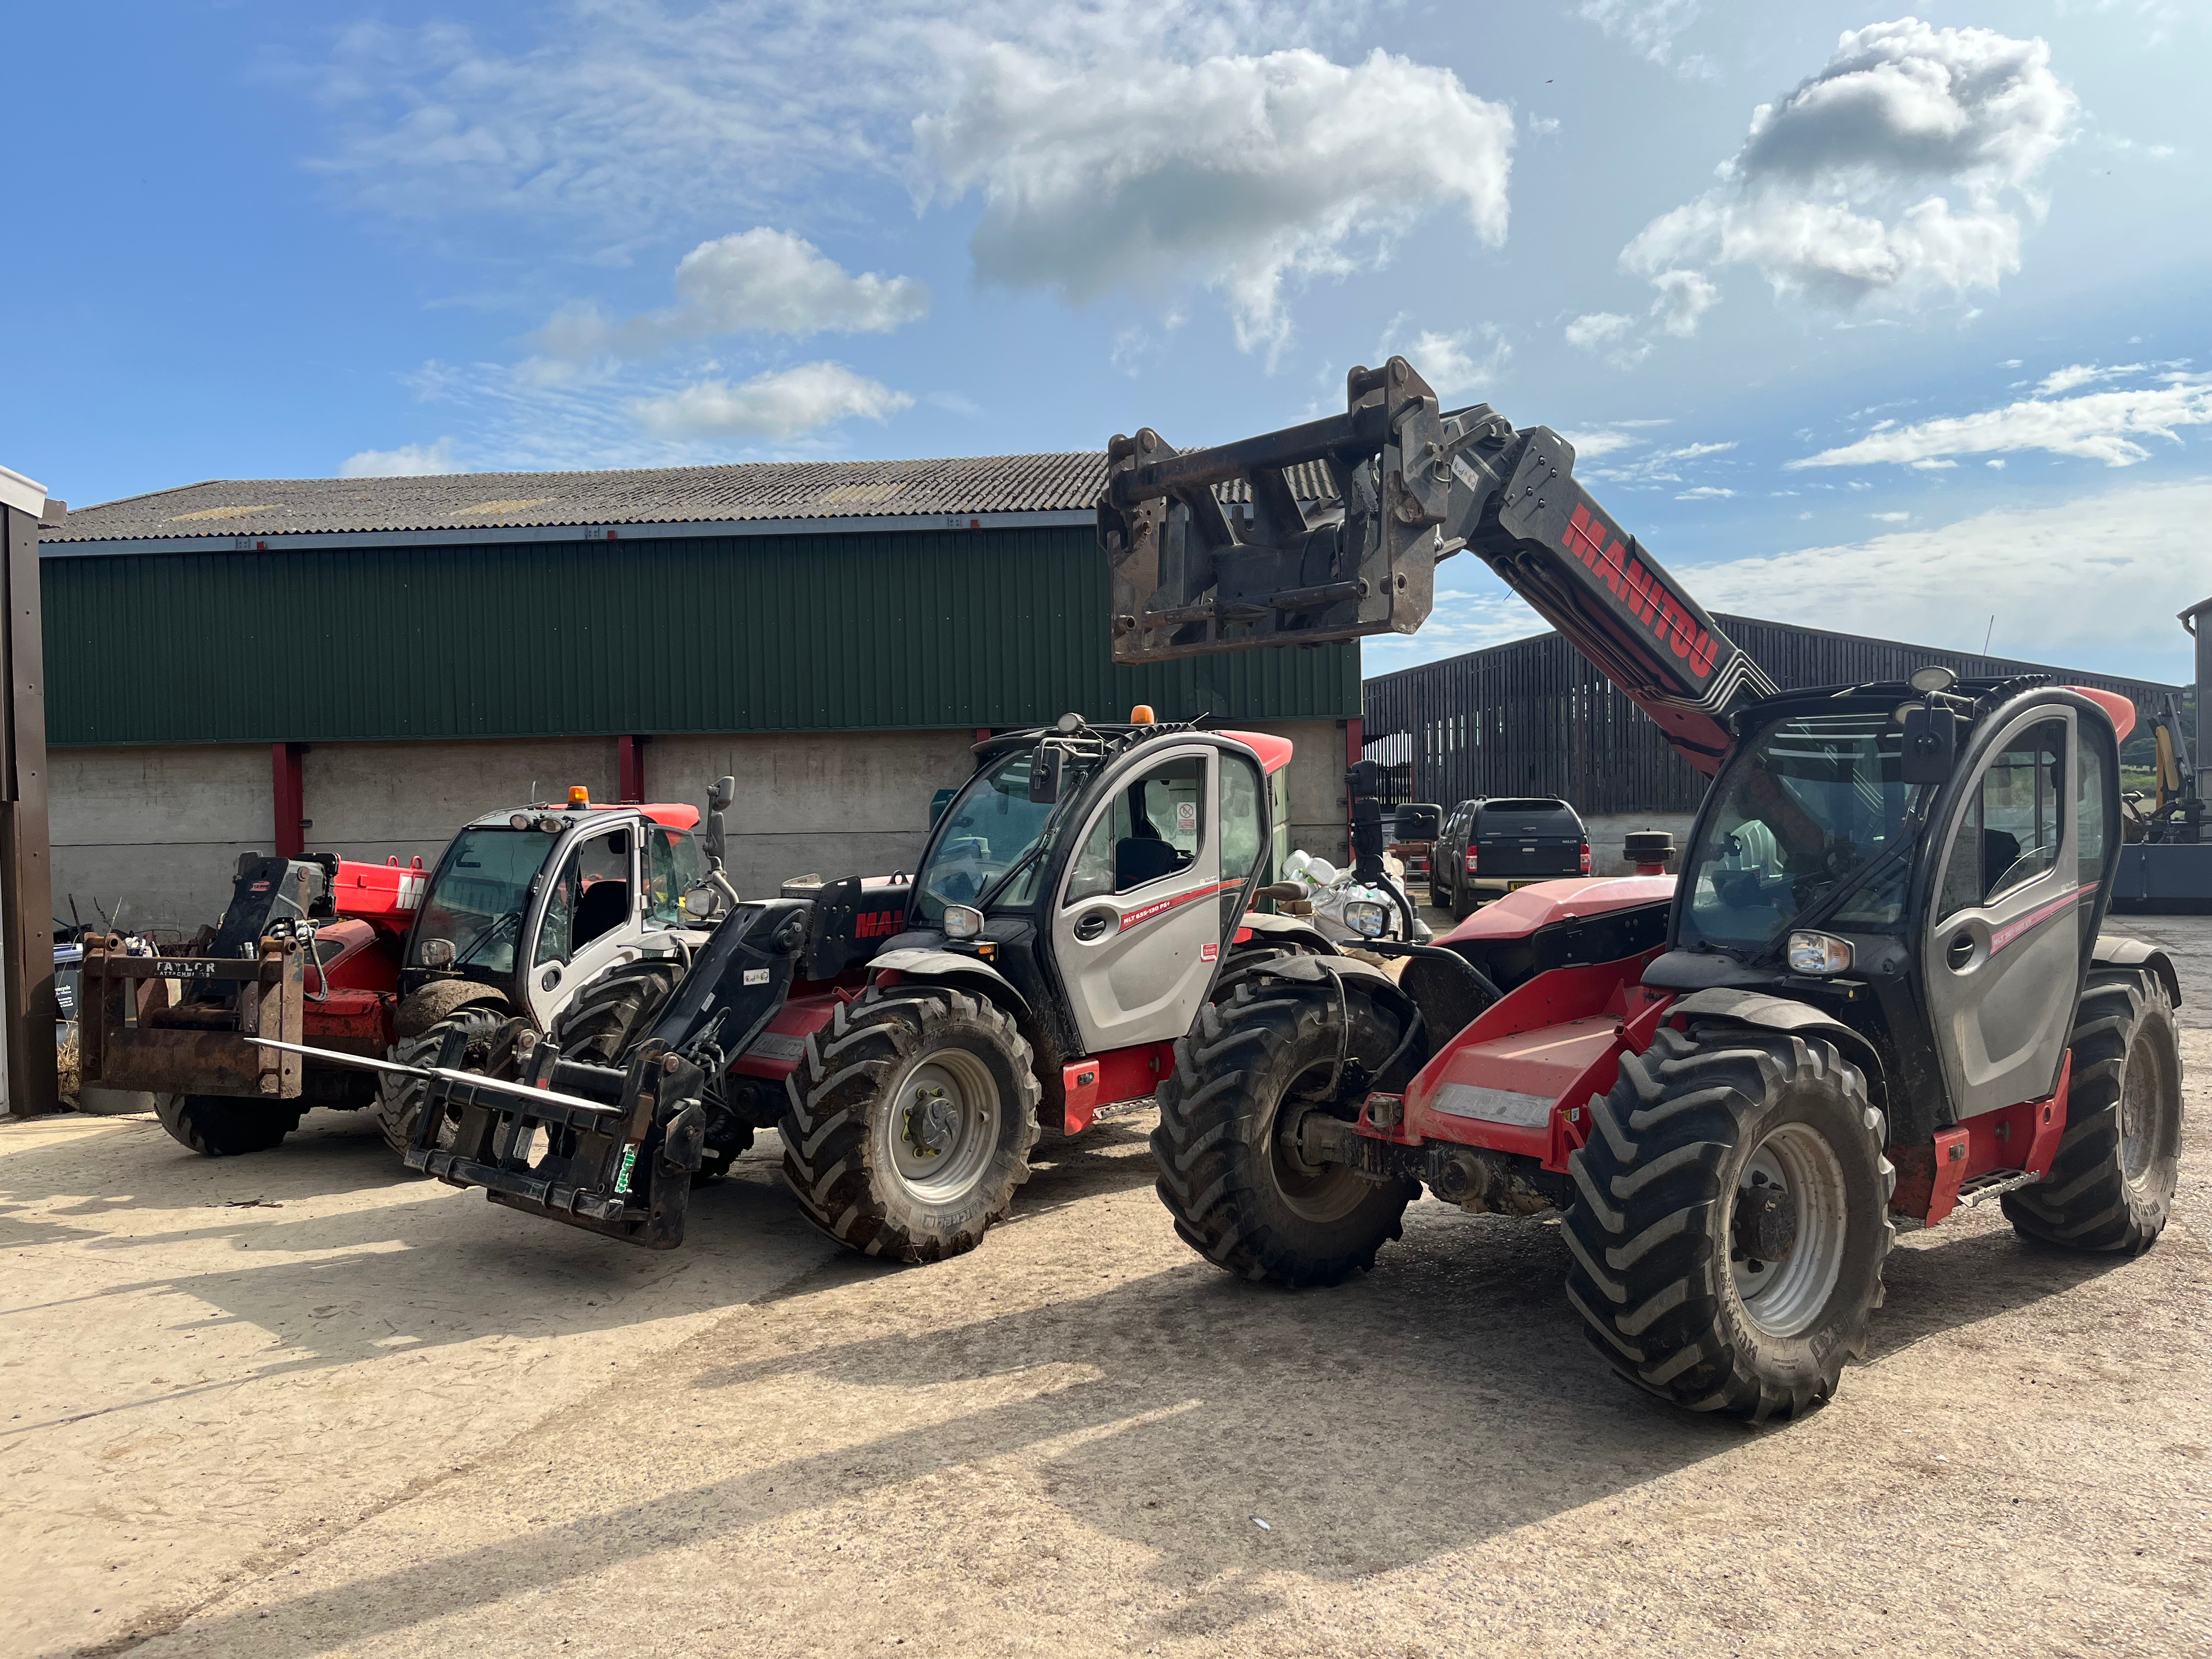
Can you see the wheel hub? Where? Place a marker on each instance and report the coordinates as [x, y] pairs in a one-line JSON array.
[[1766, 1226], [930, 1122]]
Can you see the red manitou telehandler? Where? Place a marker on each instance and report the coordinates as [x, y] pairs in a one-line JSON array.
[[1879, 990]]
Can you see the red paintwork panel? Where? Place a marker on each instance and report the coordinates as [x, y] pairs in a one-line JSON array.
[[1553, 1042], [1274, 752], [799, 1018], [2122, 711], [1525, 909], [2024, 1137], [1118, 1075], [385, 893]]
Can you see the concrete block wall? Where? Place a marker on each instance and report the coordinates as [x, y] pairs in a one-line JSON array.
[[830, 803], [162, 829], [158, 831]]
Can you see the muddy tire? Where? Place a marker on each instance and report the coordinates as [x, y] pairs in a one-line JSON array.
[[2111, 1186], [908, 1126], [1239, 1195], [226, 1125], [1696, 1280], [399, 1100], [609, 1013]]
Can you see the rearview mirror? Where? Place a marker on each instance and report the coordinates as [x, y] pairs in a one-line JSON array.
[[1364, 779], [1045, 768], [718, 798], [1930, 748]]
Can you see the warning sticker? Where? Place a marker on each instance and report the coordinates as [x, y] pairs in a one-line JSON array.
[[1187, 817]]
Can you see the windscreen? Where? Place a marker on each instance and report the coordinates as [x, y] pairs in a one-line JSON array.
[[1527, 817], [478, 897], [1797, 817], [986, 834]]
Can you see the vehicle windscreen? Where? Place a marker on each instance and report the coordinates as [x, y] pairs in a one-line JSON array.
[[1527, 817], [1797, 816], [990, 827], [478, 897]]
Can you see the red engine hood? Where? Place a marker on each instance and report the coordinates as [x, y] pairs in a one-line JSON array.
[[1543, 902]]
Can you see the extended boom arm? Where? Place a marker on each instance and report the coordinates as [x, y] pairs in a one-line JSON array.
[[1390, 488]]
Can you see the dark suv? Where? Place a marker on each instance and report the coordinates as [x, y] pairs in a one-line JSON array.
[[1492, 846]]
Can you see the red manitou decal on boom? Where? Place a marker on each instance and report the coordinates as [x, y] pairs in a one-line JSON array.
[[1590, 539], [878, 924]]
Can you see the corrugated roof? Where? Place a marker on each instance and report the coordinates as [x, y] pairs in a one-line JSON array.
[[271, 508]]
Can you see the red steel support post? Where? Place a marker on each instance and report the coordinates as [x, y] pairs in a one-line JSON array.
[[289, 810], [629, 757]]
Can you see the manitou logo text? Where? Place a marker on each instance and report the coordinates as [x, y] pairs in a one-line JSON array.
[[878, 924], [1645, 596]]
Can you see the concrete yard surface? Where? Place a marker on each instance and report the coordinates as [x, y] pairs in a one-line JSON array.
[[299, 1404]]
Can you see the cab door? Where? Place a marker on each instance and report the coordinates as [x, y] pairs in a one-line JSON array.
[[2002, 956], [1135, 930], [586, 917]]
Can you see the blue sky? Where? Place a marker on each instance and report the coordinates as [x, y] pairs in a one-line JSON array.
[[1890, 323]]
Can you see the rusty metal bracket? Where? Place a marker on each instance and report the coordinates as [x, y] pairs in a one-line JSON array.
[[135, 1030]]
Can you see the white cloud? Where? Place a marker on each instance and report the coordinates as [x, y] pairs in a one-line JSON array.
[[1649, 27], [1890, 518], [407, 461], [1683, 296], [1609, 334], [1704, 493], [2099, 426], [2077, 374], [1248, 173], [1464, 363], [1602, 441], [781, 403], [1660, 466], [2110, 554], [759, 281], [1896, 174]]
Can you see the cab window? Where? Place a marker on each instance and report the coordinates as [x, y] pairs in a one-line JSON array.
[[1241, 830], [2011, 828], [589, 897], [674, 865], [1151, 830]]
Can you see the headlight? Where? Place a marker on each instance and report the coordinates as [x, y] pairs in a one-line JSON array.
[[963, 921], [1367, 918], [518, 821], [1819, 953]]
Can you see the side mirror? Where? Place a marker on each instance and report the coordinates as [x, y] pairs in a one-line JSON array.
[[718, 802], [436, 953], [1367, 840], [1364, 780], [1045, 769], [937, 803], [1930, 748]]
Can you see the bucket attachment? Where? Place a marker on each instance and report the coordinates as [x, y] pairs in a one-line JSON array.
[[623, 1170], [184, 1024], [1334, 536]]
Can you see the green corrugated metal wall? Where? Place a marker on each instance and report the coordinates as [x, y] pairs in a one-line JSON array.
[[870, 632]]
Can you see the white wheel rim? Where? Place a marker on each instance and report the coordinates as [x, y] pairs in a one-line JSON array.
[[1785, 1298], [939, 1131]]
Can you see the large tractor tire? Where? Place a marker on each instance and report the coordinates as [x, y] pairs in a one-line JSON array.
[[2111, 1186], [907, 1125], [1733, 1217], [608, 1013], [226, 1125], [1241, 1195], [400, 1099]]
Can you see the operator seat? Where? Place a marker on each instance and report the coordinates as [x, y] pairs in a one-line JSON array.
[[1140, 859], [601, 909]]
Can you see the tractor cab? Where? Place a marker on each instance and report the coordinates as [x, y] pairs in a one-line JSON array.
[[1100, 870], [1926, 864], [536, 901]]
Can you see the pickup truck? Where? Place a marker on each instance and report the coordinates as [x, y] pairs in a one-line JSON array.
[[1490, 847]]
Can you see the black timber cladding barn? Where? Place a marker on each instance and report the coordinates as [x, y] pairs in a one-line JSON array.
[[1534, 718], [358, 666]]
